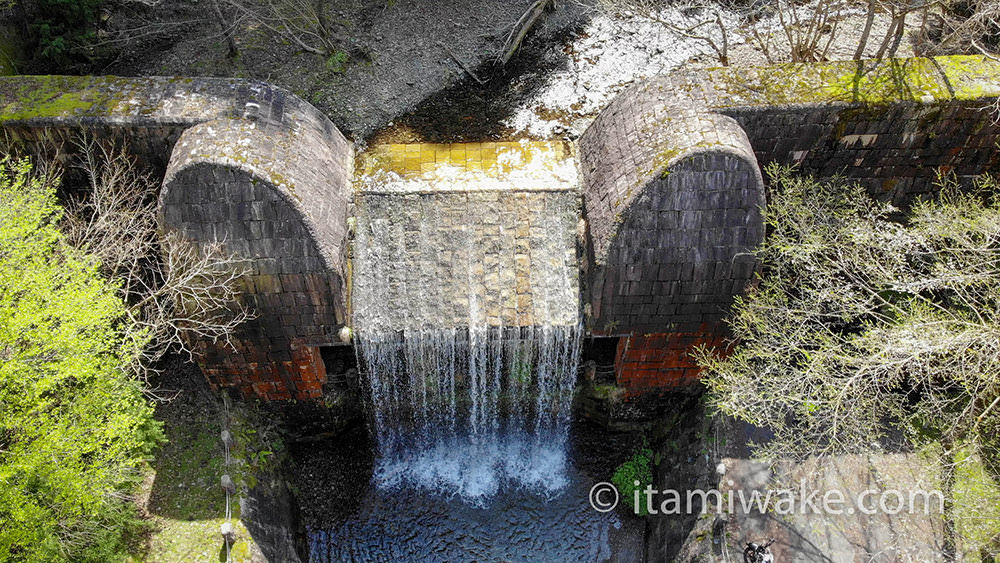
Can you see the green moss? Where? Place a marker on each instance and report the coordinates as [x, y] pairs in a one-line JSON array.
[[186, 505], [281, 181], [971, 77], [46, 104], [635, 474], [663, 160], [976, 492], [890, 81], [607, 391], [39, 97]]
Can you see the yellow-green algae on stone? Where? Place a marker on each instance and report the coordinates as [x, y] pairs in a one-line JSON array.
[[420, 167], [875, 82], [908, 80], [25, 98]]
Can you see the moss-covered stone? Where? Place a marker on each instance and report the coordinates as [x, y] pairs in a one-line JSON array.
[[52, 97], [875, 82]]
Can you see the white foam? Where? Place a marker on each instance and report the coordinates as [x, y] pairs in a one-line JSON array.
[[478, 471]]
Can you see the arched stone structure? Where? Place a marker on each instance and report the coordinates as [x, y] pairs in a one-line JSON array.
[[272, 196], [671, 242], [247, 164], [671, 187], [673, 199], [671, 181]]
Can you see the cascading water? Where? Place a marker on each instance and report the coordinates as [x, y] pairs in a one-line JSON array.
[[465, 309], [471, 410], [467, 324]]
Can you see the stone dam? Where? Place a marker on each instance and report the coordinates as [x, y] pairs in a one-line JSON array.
[[638, 233]]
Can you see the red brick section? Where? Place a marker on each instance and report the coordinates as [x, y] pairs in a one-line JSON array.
[[263, 372], [656, 363]]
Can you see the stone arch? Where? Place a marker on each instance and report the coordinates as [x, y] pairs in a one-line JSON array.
[[673, 198], [682, 249], [676, 248], [277, 198]]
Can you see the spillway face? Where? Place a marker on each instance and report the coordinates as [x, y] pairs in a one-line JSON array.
[[466, 312]]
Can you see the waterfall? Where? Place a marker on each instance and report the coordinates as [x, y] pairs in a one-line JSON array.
[[467, 411], [466, 319]]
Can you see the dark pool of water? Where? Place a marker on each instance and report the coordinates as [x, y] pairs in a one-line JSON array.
[[350, 517]]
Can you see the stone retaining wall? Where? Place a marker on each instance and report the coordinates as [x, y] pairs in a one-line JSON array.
[[669, 234], [250, 166], [670, 178]]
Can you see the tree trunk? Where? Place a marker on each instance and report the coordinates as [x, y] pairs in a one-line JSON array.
[[227, 30], [898, 37], [866, 32], [897, 21]]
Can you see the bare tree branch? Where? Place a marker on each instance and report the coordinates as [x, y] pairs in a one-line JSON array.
[[176, 292]]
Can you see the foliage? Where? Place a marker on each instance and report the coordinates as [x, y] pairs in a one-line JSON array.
[[63, 32], [258, 448], [964, 23], [636, 469], [976, 498], [337, 62], [75, 428], [862, 326]]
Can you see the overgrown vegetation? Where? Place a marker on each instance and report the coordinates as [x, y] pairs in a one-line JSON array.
[[75, 427], [175, 291], [61, 35], [186, 506], [635, 474], [91, 298], [867, 334]]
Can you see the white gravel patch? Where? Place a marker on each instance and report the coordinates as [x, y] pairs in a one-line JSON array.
[[613, 51]]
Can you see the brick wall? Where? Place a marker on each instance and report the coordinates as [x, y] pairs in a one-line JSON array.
[[655, 363], [149, 114], [890, 126], [895, 151], [271, 369]]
